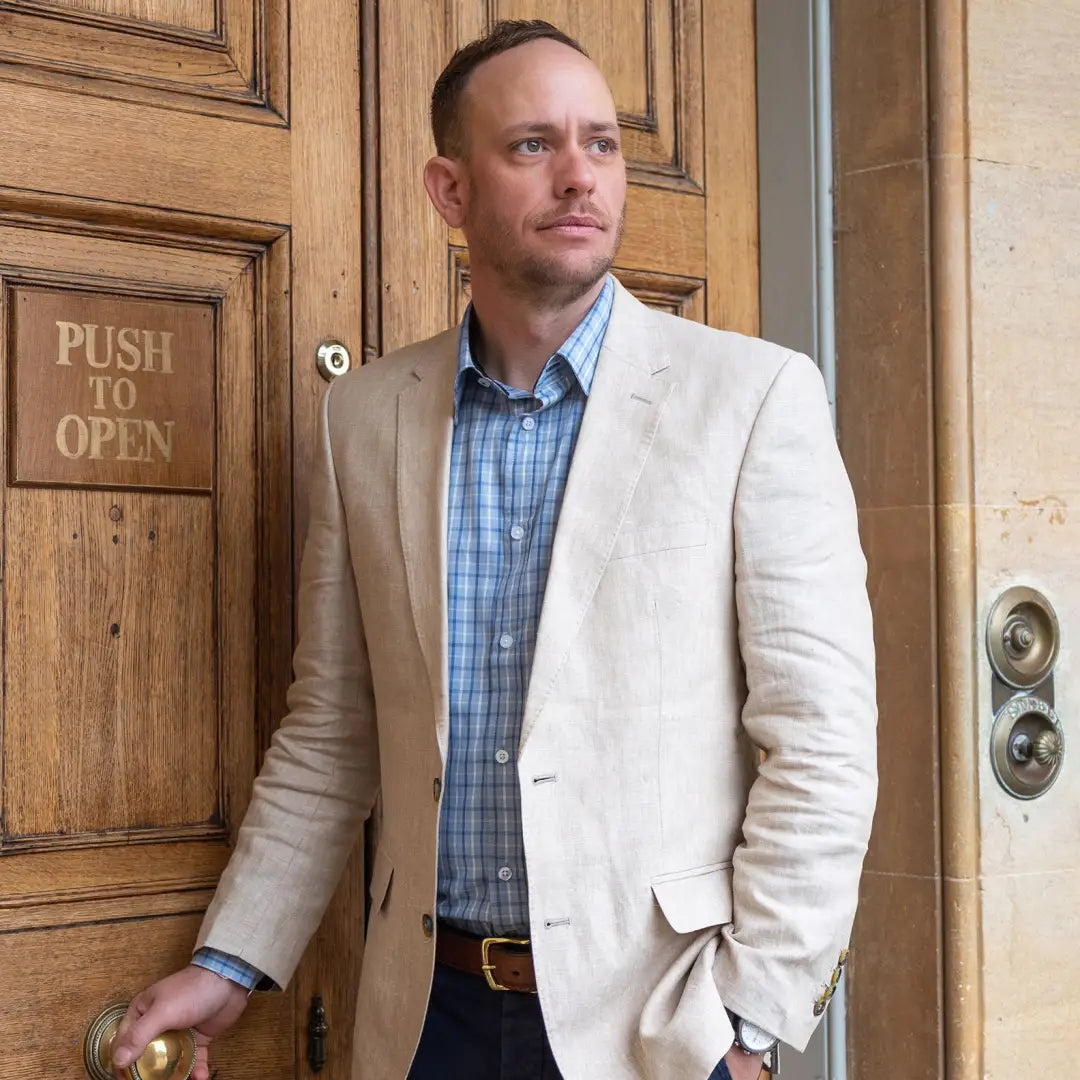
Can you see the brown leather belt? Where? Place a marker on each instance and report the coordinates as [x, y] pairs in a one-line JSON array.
[[506, 963]]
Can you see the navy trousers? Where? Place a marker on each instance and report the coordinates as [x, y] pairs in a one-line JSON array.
[[475, 1033]]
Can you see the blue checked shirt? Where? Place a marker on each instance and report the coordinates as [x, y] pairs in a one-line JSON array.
[[509, 462], [508, 467]]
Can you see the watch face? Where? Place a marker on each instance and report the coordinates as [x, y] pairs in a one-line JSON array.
[[753, 1039]]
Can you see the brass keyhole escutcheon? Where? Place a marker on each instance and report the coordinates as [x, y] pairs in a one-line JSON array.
[[171, 1056]]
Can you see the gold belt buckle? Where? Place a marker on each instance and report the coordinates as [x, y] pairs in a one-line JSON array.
[[487, 967]]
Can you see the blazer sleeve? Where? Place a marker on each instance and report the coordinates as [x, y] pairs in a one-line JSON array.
[[320, 776], [806, 640]]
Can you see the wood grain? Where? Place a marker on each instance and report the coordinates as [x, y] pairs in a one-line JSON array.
[[144, 675], [56, 980], [190, 64], [155, 158], [327, 257], [54, 252], [731, 164], [620, 36], [189, 14], [238, 523], [111, 705], [327, 302], [75, 876], [238, 69], [45, 915], [414, 282]]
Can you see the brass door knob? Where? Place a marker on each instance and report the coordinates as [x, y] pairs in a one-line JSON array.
[[1046, 749], [171, 1056], [332, 359]]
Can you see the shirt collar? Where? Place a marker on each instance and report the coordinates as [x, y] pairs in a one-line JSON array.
[[581, 350]]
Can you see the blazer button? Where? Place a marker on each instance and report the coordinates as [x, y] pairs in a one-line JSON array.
[[436, 788], [429, 926]]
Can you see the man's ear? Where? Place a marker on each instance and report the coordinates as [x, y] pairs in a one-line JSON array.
[[445, 182]]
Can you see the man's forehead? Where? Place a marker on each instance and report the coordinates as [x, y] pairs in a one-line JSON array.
[[535, 83]]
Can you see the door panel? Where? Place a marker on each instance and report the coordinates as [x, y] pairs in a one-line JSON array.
[[72, 967], [682, 73], [225, 58], [162, 293]]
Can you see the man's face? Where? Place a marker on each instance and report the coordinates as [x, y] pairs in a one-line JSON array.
[[546, 181]]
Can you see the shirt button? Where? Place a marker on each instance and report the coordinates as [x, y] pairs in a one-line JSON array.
[[502, 757], [528, 423], [506, 641], [485, 382], [517, 531], [429, 926], [505, 874]]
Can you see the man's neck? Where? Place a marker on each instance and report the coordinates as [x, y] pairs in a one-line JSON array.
[[519, 335]]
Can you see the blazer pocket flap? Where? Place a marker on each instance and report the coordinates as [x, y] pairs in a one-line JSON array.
[[694, 899], [660, 536], [382, 871]]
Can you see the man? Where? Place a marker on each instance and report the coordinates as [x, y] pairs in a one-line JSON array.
[[567, 567]]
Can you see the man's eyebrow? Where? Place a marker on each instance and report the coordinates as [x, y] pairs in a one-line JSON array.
[[539, 127]]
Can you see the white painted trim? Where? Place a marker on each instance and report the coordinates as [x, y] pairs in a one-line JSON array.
[[823, 206]]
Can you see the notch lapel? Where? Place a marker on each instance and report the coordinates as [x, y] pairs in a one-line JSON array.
[[629, 391], [425, 432]]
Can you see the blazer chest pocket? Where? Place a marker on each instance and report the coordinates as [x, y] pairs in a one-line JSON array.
[[382, 871], [695, 899], [659, 536]]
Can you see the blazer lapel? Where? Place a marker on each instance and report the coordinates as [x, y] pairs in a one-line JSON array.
[[425, 431], [629, 390]]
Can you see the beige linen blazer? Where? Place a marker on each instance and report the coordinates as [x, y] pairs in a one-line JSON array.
[[706, 596]]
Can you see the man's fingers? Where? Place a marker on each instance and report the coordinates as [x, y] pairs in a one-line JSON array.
[[202, 1065], [145, 1019]]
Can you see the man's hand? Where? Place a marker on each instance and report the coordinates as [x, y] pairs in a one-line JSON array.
[[192, 998], [743, 1066]]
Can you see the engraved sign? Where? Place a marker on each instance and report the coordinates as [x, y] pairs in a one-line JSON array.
[[111, 391]]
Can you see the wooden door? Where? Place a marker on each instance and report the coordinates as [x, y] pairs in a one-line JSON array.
[[179, 228], [682, 74]]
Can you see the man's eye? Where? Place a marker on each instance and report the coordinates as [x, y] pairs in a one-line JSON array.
[[530, 146], [605, 146]]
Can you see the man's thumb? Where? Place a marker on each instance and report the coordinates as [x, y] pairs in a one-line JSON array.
[[144, 1021]]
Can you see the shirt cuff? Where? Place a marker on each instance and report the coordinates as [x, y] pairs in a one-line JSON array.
[[233, 968]]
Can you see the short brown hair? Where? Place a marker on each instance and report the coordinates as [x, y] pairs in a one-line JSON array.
[[508, 34]]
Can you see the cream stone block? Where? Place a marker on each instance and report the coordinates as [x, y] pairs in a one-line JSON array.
[[1025, 300], [1031, 956], [1037, 546], [1024, 82]]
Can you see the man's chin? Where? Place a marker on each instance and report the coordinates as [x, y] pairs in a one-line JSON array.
[[577, 273]]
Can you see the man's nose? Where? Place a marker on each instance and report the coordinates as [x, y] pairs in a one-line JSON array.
[[575, 174]]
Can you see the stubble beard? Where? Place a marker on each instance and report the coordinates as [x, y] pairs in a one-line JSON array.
[[548, 283]]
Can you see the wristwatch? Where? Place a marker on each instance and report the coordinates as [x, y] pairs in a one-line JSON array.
[[751, 1039]]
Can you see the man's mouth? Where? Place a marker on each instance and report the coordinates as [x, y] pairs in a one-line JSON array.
[[574, 223]]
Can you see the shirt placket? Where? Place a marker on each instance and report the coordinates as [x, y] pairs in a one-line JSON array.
[[514, 623]]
